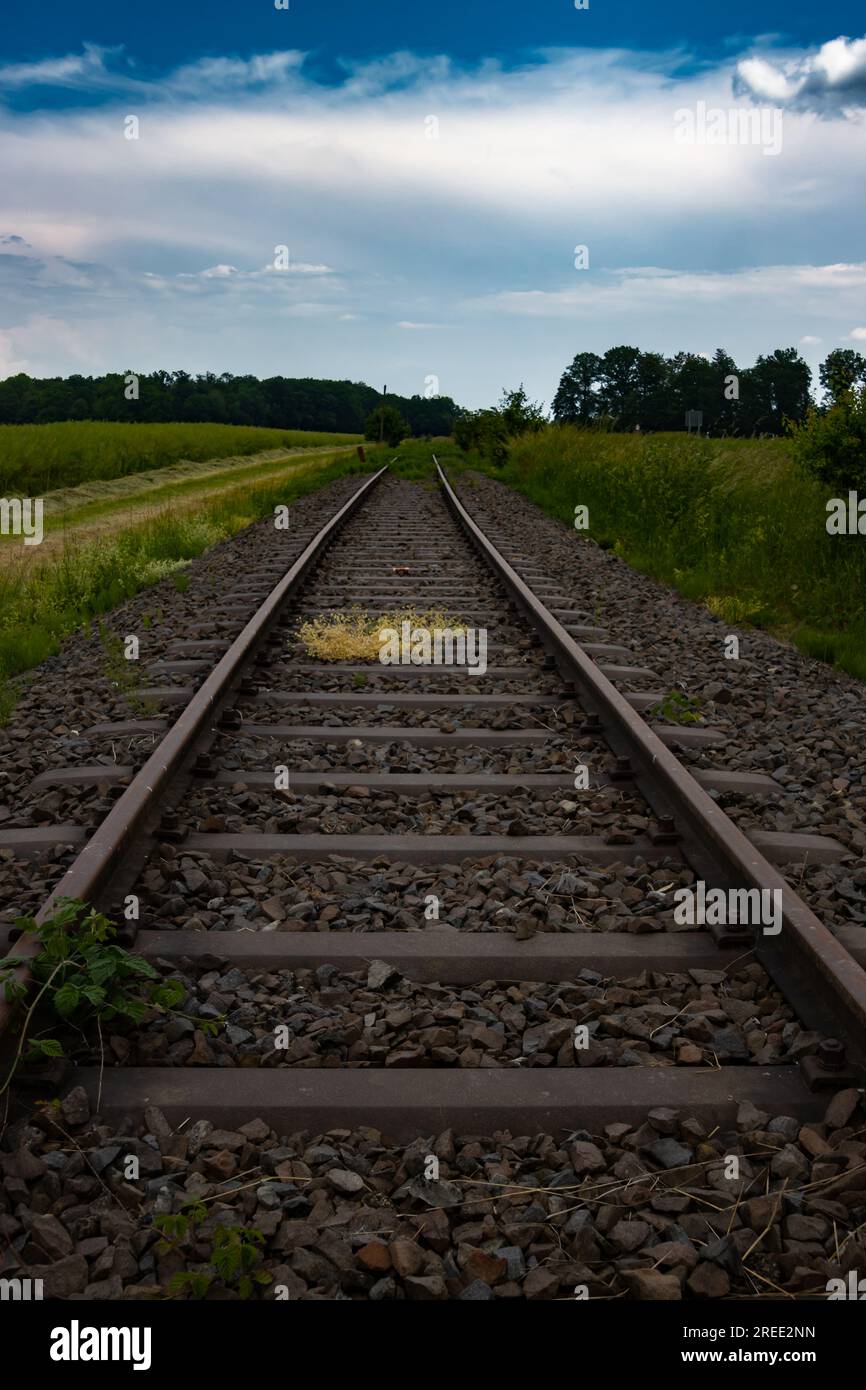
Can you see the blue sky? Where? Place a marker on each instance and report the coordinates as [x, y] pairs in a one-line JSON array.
[[162, 34], [431, 170]]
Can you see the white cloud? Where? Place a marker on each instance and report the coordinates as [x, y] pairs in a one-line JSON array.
[[10, 363], [643, 289], [162, 241], [764, 81], [831, 79], [74, 70], [34, 345], [809, 340], [858, 333], [231, 272], [223, 74], [527, 145], [106, 70]]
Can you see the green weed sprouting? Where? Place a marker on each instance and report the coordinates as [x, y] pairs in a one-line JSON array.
[[82, 976], [679, 708], [236, 1252]]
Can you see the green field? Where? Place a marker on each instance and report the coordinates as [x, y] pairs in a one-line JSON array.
[[48, 591], [56, 592], [35, 459], [732, 523]]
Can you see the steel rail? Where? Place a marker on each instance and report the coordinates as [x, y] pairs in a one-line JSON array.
[[138, 808], [818, 976]]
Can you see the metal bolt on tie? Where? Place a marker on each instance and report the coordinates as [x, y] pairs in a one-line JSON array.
[[665, 832], [828, 1068], [831, 1054], [623, 771]]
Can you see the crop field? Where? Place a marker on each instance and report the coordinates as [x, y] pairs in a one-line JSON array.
[[41, 458]]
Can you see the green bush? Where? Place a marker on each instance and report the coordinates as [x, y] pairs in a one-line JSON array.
[[387, 424], [484, 432], [831, 444]]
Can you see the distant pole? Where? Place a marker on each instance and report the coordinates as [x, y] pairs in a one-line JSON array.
[[382, 416]]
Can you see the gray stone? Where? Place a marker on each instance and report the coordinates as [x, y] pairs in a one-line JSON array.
[[62, 1279], [99, 1159], [513, 1257], [51, 1237], [76, 1106], [477, 1292], [381, 974], [669, 1152], [785, 1125], [346, 1182], [841, 1108]]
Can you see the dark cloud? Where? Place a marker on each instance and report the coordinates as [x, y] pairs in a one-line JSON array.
[[831, 81]]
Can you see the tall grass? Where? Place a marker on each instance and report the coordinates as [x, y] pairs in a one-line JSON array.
[[44, 600], [732, 523], [34, 459]]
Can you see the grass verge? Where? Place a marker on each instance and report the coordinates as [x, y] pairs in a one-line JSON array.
[[730, 523], [50, 597]]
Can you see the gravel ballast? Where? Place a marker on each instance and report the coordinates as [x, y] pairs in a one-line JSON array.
[[644, 1212], [376, 1017]]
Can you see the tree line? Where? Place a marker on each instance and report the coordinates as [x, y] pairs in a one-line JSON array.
[[301, 403], [626, 388]]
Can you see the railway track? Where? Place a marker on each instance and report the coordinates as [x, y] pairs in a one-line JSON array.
[[440, 776]]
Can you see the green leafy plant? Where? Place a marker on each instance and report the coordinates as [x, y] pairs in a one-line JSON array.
[[81, 976], [831, 444], [679, 708], [484, 432], [236, 1253]]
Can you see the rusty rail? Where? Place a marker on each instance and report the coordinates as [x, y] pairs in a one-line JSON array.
[[137, 809], [816, 973]]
